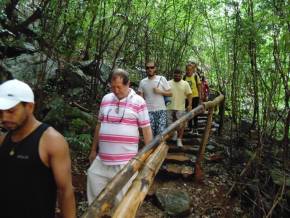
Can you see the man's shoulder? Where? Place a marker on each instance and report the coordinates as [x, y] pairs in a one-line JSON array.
[[160, 77], [52, 134], [189, 77], [108, 96], [53, 140], [144, 80], [135, 98], [184, 82]]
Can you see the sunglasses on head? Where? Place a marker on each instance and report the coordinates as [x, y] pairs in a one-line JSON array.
[[150, 67]]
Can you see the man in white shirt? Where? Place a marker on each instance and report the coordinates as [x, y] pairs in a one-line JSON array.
[[153, 88]]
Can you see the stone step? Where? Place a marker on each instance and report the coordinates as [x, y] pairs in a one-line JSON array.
[[202, 123], [187, 135], [188, 149], [188, 140], [180, 158], [200, 131], [192, 149], [175, 170]]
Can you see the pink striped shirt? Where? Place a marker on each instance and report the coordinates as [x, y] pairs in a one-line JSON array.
[[119, 133]]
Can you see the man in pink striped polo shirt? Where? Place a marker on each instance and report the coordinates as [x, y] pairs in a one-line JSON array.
[[116, 138]]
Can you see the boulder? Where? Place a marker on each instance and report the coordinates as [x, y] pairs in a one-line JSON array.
[[72, 76], [29, 66], [175, 203], [67, 118]]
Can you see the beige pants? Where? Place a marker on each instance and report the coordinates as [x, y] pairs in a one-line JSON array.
[[99, 176]]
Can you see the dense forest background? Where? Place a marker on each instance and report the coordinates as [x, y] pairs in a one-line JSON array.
[[66, 50], [242, 46]]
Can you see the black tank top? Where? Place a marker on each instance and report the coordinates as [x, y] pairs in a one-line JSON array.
[[27, 186]]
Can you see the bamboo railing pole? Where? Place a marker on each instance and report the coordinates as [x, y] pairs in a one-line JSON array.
[[198, 170], [215, 102], [104, 202], [140, 186]]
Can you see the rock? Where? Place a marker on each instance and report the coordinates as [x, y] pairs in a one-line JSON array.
[[72, 76], [62, 116], [216, 125], [175, 203], [4, 75], [210, 147], [27, 67], [216, 158]]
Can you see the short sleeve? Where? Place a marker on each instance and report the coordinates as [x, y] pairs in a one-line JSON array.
[[165, 84], [143, 115]]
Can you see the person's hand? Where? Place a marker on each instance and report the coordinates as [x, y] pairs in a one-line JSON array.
[[157, 91], [189, 108], [92, 156]]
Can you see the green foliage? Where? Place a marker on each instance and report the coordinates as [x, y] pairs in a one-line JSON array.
[[242, 46], [79, 141], [78, 125]]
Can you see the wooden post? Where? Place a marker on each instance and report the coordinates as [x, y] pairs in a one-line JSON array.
[[198, 169], [140, 186]]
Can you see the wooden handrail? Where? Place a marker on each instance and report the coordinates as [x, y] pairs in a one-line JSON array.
[[103, 204], [136, 194]]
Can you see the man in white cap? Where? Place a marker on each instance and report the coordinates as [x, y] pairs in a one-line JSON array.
[[35, 162]]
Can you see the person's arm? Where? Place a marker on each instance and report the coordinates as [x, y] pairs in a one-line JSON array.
[[147, 133], [162, 92], [189, 100], [165, 91], [59, 161], [94, 147]]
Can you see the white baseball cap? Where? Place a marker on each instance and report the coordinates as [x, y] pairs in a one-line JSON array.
[[13, 92]]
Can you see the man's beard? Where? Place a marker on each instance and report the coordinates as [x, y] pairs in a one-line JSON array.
[[15, 126]]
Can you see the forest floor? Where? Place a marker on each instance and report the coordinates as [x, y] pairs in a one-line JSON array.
[[209, 198]]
